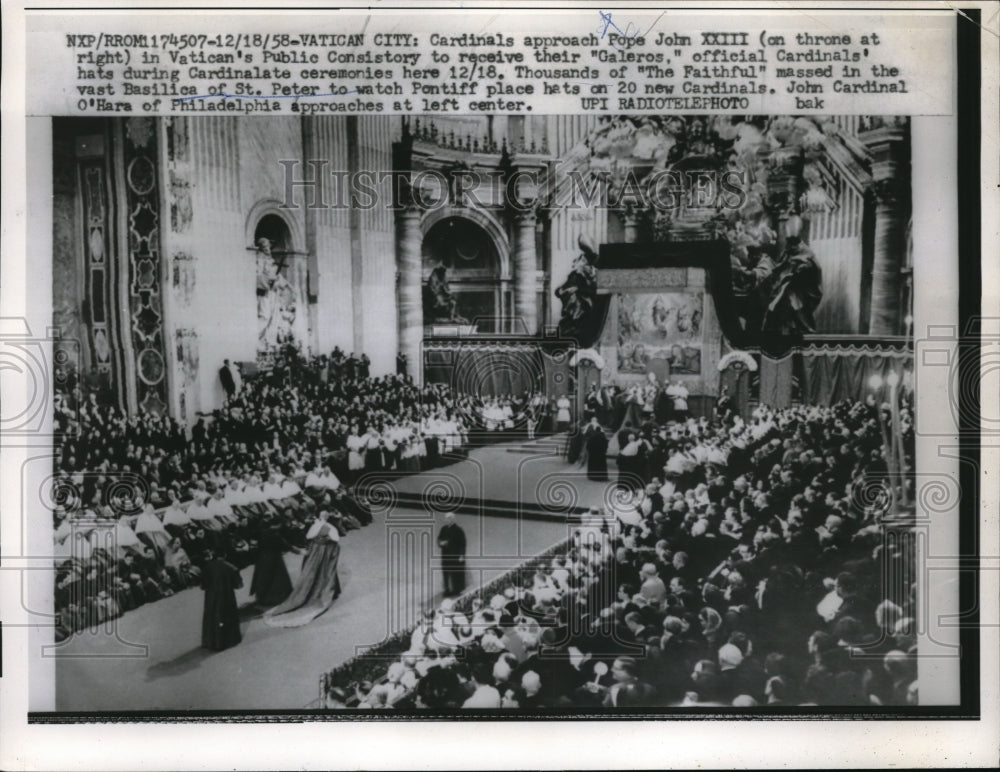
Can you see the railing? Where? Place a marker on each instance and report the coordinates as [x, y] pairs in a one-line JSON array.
[[371, 665], [428, 130]]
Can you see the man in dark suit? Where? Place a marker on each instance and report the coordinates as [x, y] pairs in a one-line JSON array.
[[226, 376], [451, 542]]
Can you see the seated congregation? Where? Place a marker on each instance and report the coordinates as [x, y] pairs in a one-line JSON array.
[[758, 572], [139, 502]]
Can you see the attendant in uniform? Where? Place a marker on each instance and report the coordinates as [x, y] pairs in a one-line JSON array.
[[562, 414], [220, 623], [451, 542]]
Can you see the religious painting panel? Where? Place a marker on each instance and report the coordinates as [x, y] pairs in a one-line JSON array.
[[660, 326]]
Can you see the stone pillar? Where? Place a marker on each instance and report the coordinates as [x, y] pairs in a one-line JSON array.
[[409, 290], [525, 269], [886, 139]]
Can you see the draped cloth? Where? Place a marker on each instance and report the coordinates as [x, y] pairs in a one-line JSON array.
[[736, 380], [776, 382], [318, 585], [832, 376], [150, 530]]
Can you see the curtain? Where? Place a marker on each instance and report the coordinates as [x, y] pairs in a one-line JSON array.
[[736, 380], [776, 382], [438, 365], [835, 375]]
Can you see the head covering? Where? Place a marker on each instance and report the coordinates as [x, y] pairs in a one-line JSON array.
[[531, 682], [711, 620], [730, 657]]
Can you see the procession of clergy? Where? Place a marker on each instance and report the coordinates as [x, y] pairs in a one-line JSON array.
[[145, 511]]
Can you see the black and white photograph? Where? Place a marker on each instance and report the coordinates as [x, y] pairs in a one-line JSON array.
[[497, 409], [253, 469]]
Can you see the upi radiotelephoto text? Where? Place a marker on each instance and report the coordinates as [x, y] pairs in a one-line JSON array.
[[618, 65]]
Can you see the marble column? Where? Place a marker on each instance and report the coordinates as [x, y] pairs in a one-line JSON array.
[[409, 295], [887, 142], [525, 269]]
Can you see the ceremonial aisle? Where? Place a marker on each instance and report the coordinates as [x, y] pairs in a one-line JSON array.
[[279, 668]]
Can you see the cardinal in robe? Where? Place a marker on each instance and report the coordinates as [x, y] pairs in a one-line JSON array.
[[597, 451], [220, 623]]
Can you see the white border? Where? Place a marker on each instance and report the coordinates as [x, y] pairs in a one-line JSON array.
[[506, 745]]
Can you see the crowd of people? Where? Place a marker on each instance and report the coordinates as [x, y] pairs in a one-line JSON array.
[[139, 500], [751, 568], [742, 563], [108, 564]]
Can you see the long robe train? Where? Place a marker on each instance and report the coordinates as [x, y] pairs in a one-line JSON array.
[[317, 588]]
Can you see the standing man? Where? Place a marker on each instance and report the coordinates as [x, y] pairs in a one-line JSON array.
[[220, 622], [234, 370], [597, 451], [562, 414], [451, 542], [226, 376], [679, 394]]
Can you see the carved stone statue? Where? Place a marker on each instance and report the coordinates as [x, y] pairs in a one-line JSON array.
[[578, 295], [277, 304], [439, 304], [792, 291]]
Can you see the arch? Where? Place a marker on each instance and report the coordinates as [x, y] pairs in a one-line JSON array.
[[485, 220], [275, 230], [282, 284], [271, 206]]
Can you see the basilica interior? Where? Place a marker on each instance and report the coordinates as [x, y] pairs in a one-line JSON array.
[[657, 371], [181, 242]]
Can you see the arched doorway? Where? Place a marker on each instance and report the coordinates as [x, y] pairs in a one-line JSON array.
[[469, 285]]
